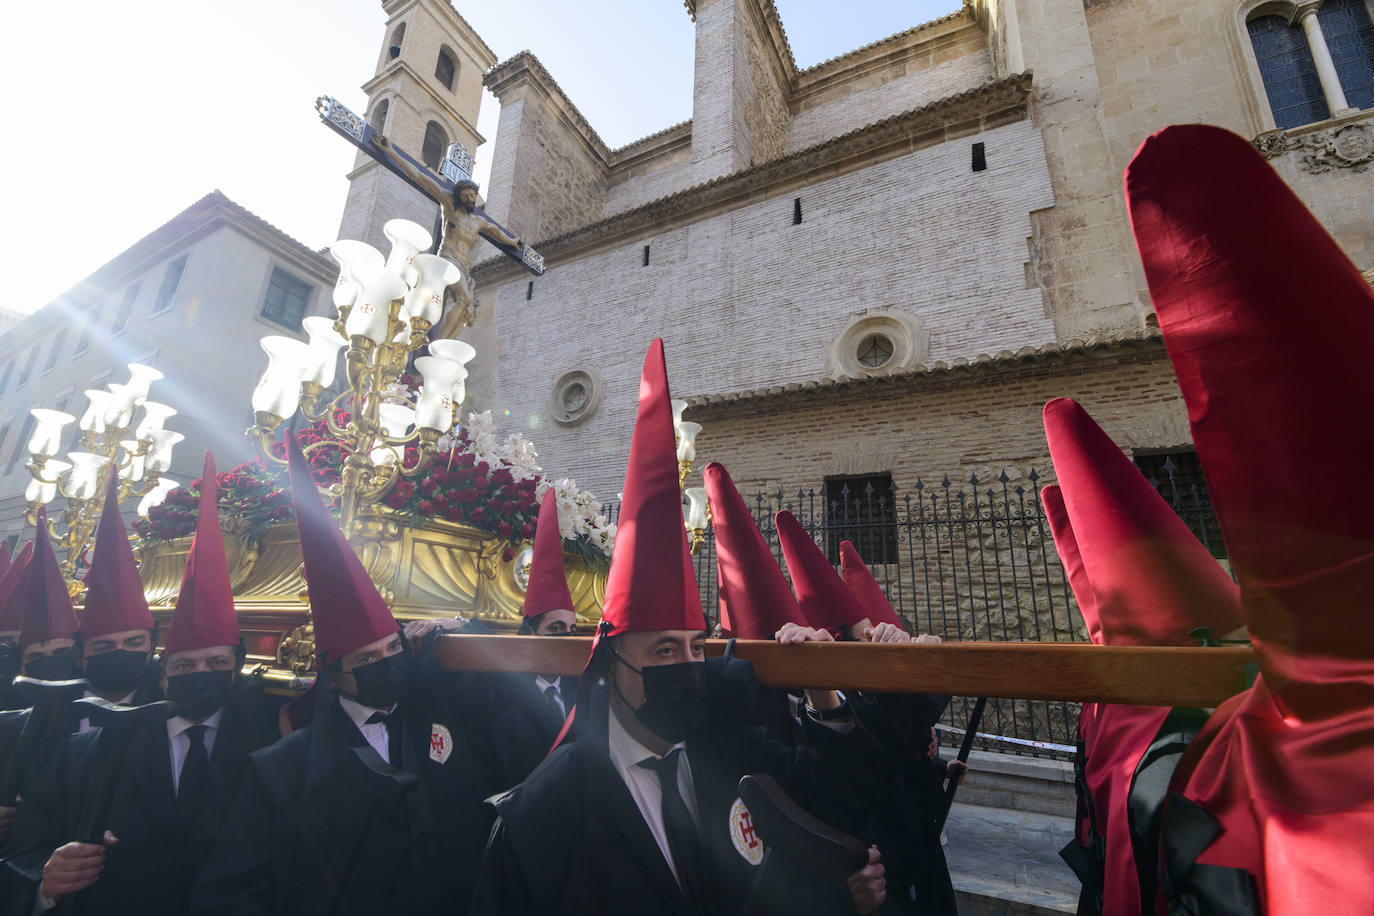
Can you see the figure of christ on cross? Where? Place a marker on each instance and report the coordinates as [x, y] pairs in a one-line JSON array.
[[464, 221]]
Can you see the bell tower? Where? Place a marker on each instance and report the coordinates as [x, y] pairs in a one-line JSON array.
[[425, 95]]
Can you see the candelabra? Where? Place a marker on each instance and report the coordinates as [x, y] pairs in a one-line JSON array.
[[697, 512], [142, 453], [386, 308]]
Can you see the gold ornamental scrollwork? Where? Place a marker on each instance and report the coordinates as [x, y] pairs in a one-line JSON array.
[[296, 651]]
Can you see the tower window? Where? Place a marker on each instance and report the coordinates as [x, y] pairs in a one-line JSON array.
[[378, 119], [393, 50], [445, 68], [796, 212], [286, 299], [980, 159], [436, 142]]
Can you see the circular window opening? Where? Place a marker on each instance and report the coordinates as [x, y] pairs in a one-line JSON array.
[[875, 351], [574, 397]]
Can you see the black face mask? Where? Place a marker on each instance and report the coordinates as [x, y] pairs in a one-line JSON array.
[[674, 698], [60, 666], [117, 671], [199, 694], [382, 683]]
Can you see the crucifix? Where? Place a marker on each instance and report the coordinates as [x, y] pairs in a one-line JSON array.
[[461, 221]]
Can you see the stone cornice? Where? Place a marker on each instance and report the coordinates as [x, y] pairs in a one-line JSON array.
[[1070, 355], [525, 67], [965, 113]]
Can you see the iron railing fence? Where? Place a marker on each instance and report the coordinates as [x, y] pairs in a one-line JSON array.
[[969, 561]]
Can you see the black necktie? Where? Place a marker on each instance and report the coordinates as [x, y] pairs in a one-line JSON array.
[[551, 696], [193, 771], [392, 721], [683, 840]]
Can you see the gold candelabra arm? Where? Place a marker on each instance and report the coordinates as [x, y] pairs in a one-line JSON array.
[[684, 467]]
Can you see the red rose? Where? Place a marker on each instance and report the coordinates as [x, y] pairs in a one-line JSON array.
[[479, 514], [507, 555], [395, 500], [527, 532], [504, 530], [425, 508], [454, 514], [480, 482], [405, 488], [428, 486], [440, 504]]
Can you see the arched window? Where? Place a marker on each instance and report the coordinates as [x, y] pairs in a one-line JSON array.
[[436, 141], [1349, 35], [1289, 73], [445, 68], [393, 50], [378, 119]]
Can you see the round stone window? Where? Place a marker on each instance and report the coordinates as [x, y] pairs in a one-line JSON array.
[[875, 351], [879, 342], [575, 396]]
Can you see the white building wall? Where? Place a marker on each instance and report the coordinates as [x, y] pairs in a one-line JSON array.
[[747, 299]]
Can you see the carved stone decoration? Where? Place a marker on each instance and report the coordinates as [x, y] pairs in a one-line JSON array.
[[1348, 147], [1273, 144]]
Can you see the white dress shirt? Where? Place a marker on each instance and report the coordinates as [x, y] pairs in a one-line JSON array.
[[374, 733], [179, 742], [626, 754], [543, 686]]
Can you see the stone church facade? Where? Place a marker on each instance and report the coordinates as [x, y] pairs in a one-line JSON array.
[[881, 267]]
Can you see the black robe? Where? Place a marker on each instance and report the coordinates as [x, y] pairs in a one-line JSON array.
[[570, 840], [150, 870], [522, 725], [358, 840]]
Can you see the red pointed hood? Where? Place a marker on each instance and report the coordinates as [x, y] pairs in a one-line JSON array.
[[114, 592], [825, 601], [548, 585], [347, 610], [755, 600], [48, 612], [204, 614], [1152, 580], [1066, 545], [12, 596], [860, 581], [4, 558], [1269, 327], [651, 585]]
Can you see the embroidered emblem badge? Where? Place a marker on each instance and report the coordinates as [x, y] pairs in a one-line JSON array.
[[440, 743], [743, 835]]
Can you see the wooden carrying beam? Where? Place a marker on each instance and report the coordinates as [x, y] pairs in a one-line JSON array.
[[1136, 675]]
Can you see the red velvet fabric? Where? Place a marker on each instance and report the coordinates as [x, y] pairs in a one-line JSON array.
[[345, 606], [204, 613], [755, 599], [860, 581], [48, 611], [114, 592], [826, 603], [1142, 578], [1269, 327], [651, 584], [12, 597], [4, 558], [548, 586]]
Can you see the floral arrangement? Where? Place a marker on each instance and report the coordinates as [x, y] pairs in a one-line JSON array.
[[476, 479]]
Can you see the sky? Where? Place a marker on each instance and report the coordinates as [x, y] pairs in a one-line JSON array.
[[122, 115]]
